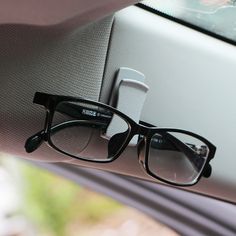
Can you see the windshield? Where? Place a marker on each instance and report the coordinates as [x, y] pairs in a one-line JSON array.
[[216, 16]]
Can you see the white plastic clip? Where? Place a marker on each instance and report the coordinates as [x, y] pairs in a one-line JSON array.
[[131, 94]]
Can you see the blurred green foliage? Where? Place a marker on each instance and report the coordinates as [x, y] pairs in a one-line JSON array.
[[54, 203]]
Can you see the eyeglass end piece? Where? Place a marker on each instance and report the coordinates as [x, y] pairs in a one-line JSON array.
[[207, 172], [33, 142]]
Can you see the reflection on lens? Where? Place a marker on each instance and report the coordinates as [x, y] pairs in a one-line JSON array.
[[177, 157], [87, 131]]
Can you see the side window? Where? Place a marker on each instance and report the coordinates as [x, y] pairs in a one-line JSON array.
[[37, 202], [214, 17]]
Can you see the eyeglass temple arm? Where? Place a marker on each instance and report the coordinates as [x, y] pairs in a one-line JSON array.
[[80, 112]]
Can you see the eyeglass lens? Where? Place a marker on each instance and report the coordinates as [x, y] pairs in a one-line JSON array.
[[75, 124], [179, 163]]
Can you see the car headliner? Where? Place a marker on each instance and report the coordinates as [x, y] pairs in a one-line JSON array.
[[54, 12]]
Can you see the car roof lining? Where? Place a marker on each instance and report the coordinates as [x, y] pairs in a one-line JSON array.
[[64, 12]]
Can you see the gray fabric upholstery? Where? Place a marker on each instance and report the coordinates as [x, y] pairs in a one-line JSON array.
[[48, 60]]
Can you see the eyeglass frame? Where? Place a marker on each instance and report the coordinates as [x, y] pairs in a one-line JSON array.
[[50, 102]]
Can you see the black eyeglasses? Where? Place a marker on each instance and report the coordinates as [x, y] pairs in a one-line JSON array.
[[175, 156]]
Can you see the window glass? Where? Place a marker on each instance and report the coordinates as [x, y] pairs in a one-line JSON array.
[[216, 16], [35, 202]]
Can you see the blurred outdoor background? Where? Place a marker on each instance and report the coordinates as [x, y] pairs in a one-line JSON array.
[[35, 202]]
